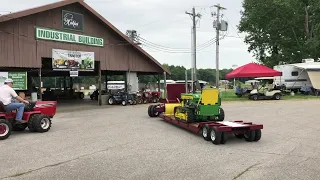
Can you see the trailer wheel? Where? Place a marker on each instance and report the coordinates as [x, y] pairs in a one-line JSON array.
[[149, 110], [224, 138], [154, 111], [249, 136], [257, 135], [215, 136], [206, 132], [239, 136]]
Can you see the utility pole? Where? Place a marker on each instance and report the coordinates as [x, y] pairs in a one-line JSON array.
[[217, 25], [194, 49]]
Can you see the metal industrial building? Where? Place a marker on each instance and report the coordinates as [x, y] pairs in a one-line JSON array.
[[28, 38]]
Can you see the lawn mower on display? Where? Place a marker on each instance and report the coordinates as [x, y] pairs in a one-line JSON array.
[[202, 113], [122, 98], [155, 96], [37, 117]]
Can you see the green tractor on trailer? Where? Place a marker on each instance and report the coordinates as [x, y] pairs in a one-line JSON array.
[[200, 107]]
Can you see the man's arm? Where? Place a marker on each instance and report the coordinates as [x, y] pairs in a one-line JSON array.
[[15, 95]]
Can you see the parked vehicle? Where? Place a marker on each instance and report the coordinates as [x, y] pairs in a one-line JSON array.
[[295, 76]]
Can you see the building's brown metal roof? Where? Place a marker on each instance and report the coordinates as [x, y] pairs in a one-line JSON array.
[[31, 11]]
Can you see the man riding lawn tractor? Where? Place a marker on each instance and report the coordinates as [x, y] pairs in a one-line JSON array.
[[17, 116], [6, 95]]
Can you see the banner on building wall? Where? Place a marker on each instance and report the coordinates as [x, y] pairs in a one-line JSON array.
[[65, 60], [19, 79]]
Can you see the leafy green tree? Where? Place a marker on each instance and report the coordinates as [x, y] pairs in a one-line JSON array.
[[281, 31]]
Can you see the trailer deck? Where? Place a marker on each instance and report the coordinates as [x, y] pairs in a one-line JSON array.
[[218, 131]]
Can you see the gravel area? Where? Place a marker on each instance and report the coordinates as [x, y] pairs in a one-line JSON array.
[[124, 143]]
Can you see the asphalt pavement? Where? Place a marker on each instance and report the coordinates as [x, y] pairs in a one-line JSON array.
[[117, 142]]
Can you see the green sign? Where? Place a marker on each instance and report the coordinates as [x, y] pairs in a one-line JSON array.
[[60, 36], [19, 79]]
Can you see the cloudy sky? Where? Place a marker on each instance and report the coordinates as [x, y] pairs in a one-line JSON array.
[[166, 29]]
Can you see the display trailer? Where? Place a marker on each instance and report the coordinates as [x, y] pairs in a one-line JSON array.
[[204, 115]]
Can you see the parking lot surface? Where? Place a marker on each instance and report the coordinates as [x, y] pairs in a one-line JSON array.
[[124, 143]]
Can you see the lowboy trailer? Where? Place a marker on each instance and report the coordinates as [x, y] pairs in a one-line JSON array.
[[217, 131]]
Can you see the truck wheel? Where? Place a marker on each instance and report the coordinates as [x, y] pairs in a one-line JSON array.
[[41, 123], [249, 136], [19, 127], [215, 136], [221, 115], [257, 135], [224, 138], [5, 129], [124, 103], [206, 132], [134, 102]]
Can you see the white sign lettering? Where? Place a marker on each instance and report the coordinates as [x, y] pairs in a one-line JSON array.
[[69, 21]]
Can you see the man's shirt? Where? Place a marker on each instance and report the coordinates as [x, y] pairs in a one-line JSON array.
[[6, 94]]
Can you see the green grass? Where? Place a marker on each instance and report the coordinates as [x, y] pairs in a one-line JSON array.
[[229, 95]]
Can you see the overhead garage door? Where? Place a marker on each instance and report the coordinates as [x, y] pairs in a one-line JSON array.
[[315, 78]]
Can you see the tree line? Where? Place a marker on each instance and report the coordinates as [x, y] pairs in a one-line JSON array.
[[178, 73]]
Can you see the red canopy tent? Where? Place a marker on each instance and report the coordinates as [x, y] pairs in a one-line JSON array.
[[253, 70]]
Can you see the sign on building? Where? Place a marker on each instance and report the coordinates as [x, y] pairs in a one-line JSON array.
[[74, 73], [72, 21], [65, 60], [19, 79], [60, 36]]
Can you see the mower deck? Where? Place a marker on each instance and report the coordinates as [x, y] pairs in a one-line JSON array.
[[217, 131]]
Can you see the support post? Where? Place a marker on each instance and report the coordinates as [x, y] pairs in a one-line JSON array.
[[106, 76], [165, 84], [99, 84], [186, 80], [125, 82], [159, 83], [40, 84]]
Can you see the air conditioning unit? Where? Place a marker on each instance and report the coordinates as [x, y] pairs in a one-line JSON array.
[[307, 60]]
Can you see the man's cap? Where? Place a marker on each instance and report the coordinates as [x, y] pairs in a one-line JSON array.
[[8, 81]]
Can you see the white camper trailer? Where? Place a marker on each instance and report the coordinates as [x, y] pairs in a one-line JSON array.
[[295, 76]]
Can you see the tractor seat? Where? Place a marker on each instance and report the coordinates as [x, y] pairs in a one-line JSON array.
[[2, 107]]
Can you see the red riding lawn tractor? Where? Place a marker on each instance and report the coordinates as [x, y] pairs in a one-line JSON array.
[[155, 96], [37, 117]]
